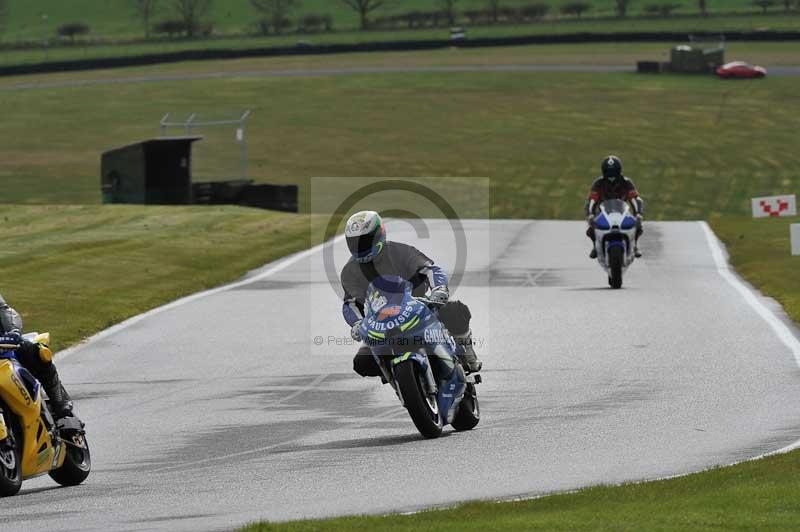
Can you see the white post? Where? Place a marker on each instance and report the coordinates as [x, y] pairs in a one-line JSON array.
[[794, 232]]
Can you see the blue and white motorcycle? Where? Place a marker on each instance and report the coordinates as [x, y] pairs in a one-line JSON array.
[[418, 357], [615, 231]]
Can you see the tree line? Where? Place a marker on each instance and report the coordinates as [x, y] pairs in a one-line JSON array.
[[192, 18], [494, 11], [275, 14]]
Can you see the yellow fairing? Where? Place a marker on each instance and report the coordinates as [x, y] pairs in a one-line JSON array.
[[38, 454]]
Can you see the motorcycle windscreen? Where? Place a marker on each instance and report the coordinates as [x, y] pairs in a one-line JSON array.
[[615, 205]]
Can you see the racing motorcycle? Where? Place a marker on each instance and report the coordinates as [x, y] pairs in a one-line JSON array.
[[418, 357], [31, 442], [615, 231]]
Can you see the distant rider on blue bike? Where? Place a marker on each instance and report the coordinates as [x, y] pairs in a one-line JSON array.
[[372, 257], [613, 185]]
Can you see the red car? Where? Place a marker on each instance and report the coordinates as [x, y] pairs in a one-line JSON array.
[[740, 69]]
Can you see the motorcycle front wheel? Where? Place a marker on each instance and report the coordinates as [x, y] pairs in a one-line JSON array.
[[421, 406], [10, 460], [615, 260], [77, 463]]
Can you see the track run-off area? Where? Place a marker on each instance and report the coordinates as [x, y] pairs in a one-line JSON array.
[[219, 409], [87, 80]]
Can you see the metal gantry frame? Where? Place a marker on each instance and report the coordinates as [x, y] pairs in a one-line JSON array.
[[191, 123]]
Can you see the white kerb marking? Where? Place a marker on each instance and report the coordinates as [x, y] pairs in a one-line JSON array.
[[776, 324]]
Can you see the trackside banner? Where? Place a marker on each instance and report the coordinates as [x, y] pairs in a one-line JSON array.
[[774, 206]]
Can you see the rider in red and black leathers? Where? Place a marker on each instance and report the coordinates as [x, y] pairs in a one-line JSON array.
[[613, 185]]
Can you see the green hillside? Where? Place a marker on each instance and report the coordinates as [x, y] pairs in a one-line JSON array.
[[115, 18], [698, 146]]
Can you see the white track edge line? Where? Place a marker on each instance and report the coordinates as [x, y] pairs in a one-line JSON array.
[[723, 268], [278, 266], [780, 328]]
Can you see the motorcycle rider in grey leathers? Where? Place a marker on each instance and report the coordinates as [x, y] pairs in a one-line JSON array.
[[372, 257]]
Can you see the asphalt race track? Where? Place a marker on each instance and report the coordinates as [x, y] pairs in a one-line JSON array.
[[305, 73], [219, 410]]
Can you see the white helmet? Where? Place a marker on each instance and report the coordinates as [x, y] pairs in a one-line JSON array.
[[366, 235]]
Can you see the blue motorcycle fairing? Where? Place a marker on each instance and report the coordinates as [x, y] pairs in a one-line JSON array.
[[399, 326], [8, 355], [30, 382], [616, 244], [391, 310], [629, 222], [395, 320], [451, 392], [601, 222]]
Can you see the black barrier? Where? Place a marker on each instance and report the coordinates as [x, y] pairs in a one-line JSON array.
[[388, 46], [219, 192], [648, 67], [243, 192], [274, 197]]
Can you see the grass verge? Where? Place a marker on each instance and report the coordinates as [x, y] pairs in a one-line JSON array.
[[77, 270], [760, 251], [758, 495]]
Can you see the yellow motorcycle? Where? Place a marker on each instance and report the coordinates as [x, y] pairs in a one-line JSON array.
[[31, 442]]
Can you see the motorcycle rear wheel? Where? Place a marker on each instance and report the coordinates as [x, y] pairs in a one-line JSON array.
[[422, 408], [77, 463], [469, 411], [615, 260], [10, 460]]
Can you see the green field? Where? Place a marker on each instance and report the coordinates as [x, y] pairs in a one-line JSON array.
[[695, 145]]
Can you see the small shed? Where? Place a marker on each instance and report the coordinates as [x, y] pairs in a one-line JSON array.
[[155, 171], [696, 60]]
